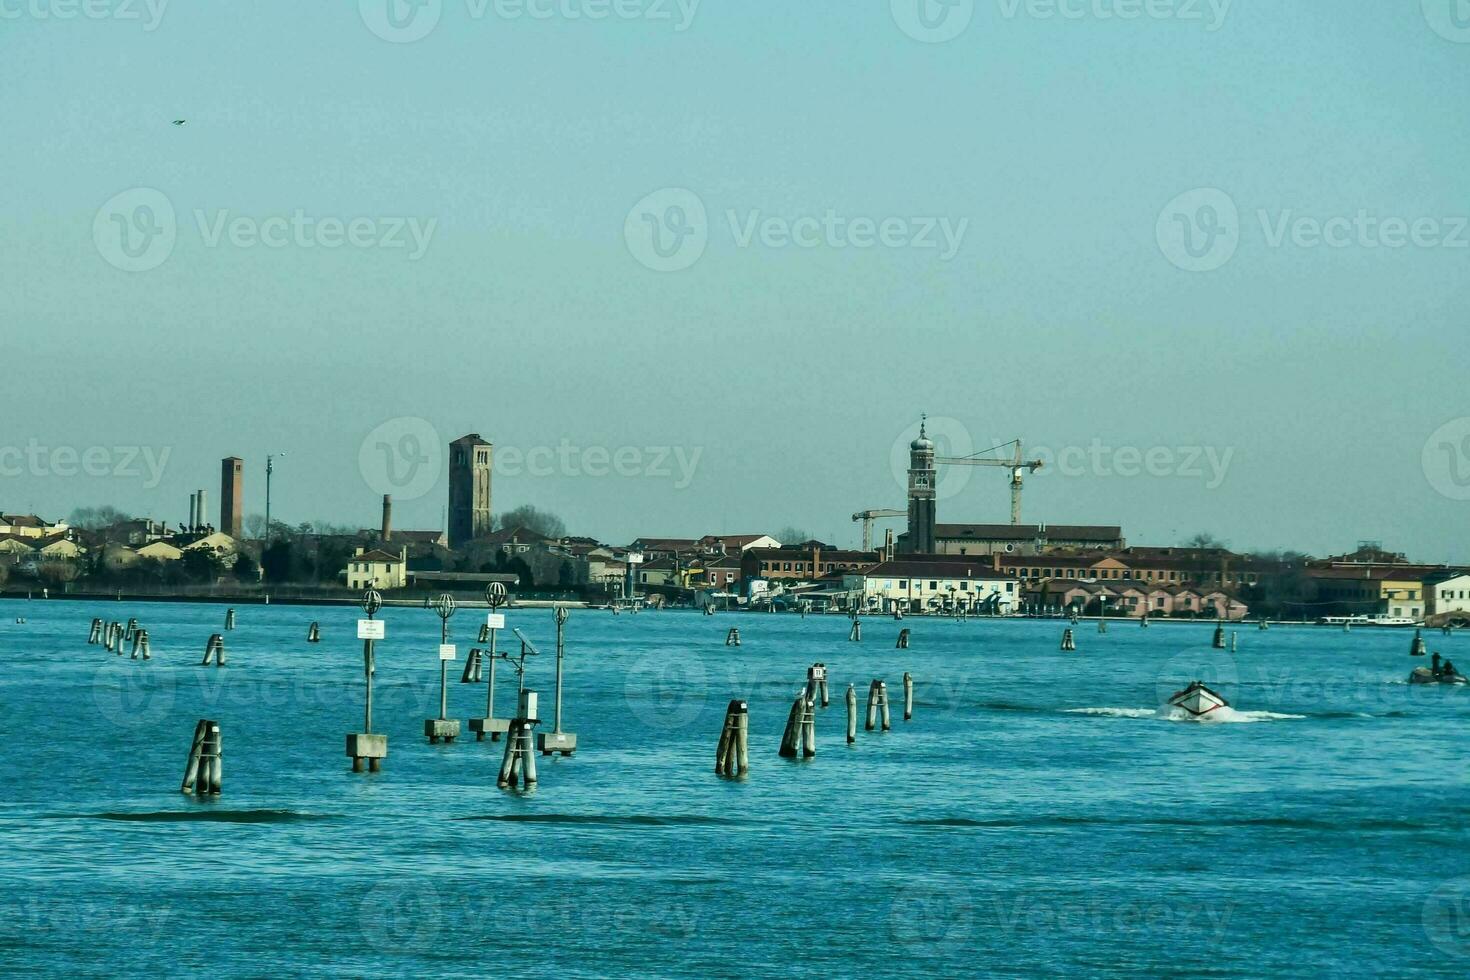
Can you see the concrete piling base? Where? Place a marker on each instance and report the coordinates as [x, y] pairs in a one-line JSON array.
[[369, 748], [441, 728], [563, 742], [494, 727]]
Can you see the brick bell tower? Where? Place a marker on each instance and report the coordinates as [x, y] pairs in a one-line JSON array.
[[920, 537]]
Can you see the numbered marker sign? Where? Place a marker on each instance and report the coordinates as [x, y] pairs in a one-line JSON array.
[[495, 621], [370, 629], [446, 651]]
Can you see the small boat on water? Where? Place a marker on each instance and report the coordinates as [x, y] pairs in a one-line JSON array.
[[1423, 675], [1197, 701]]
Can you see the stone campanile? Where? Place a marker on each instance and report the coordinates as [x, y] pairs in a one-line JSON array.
[[231, 497], [469, 489], [920, 537]]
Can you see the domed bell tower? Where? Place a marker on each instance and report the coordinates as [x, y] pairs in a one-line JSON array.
[[920, 538]]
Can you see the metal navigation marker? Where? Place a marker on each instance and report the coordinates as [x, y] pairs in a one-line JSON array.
[[495, 598], [365, 745], [557, 740], [443, 727]]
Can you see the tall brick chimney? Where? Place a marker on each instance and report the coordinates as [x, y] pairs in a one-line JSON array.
[[387, 517]]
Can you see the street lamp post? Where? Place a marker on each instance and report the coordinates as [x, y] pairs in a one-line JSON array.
[[270, 468]]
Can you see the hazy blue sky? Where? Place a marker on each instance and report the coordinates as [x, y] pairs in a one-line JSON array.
[[1064, 307]]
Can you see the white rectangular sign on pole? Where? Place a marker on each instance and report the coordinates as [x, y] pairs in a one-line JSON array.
[[446, 651], [495, 621], [370, 629]]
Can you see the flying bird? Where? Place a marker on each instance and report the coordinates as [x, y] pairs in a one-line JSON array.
[[181, 122]]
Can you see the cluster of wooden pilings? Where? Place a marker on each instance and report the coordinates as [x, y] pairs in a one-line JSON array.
[[799, 738], [203, 774], [214, 650], [114, 636]]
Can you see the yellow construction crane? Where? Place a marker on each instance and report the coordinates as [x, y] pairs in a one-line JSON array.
[[868, 517], [1016, 465]]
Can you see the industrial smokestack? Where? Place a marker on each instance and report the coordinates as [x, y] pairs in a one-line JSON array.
[[193, 510], [387, 517], [203, 507]]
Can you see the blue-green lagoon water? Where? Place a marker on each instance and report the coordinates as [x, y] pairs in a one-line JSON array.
[[1037, 817]]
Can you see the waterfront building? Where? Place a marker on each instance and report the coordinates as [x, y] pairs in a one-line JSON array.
[[934, 586], [376, 569]]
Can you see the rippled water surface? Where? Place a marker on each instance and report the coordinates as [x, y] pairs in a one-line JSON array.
[[1037, 817]]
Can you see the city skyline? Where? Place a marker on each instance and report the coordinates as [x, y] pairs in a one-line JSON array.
[[1277, 275]]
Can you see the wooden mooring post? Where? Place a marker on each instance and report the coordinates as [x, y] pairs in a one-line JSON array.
[[732, 638], [1069, 640], [851, 714], [816, 684], [94, 636], [214, 648], [878, 705], [732, 755], [1218, 642], [800, 736], [518, 767], [140, 645], [855, 635], [903, 639], [314, 633], [908, 696], [1416, 645], [203, 774], [229, 619]]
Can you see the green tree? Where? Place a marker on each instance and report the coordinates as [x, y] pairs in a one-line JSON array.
[[791, 534], [245, 569], [96, 518], [541, 522]]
